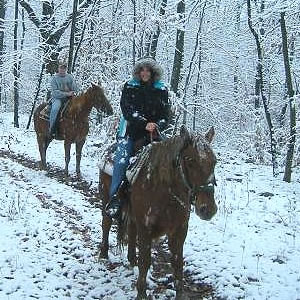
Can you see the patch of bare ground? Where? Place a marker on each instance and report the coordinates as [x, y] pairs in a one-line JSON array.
[[162, 275]]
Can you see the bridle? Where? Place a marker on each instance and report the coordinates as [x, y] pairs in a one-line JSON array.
[[208, 187]]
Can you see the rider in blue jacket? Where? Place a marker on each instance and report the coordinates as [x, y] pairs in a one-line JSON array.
[[146, 112]]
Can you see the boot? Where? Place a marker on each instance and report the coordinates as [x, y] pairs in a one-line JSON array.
[[113, 208]]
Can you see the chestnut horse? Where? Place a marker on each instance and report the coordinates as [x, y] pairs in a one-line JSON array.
[[74, 126], [173, 175]]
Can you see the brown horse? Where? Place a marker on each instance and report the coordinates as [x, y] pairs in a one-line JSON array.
[[173, 174], [74, 126]]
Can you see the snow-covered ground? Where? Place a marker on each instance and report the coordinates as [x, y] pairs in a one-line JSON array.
[[50, 231]]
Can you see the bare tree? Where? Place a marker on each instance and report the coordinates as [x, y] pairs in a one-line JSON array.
[[290, 92], [2, 17], [134, 31], [197, 49], [72, 35], [155, 37], [81, 36], [261, 87], [17, 59], [50, 32], [16, 67], [179, 48], [36, 95], [237, 26], [259, 65]]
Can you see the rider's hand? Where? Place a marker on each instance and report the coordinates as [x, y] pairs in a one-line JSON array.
[[151, 127], [71, 94]]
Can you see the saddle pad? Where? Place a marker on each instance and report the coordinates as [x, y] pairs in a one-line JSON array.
[[135, 163], [45, 112]]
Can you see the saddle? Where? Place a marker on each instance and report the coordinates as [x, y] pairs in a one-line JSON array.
[[141, 153], [45, 112]]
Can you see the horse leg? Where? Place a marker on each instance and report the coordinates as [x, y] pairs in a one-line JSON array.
[[176, 241], [79, 146], [43, 145], [104, 183], [67, 156], [144, 261], [131, 255], [106, 225]]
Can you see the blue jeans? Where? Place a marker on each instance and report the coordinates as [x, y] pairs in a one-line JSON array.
[[55, 106], [121, 161]]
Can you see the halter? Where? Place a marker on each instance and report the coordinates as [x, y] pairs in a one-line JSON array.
[[193, 191]]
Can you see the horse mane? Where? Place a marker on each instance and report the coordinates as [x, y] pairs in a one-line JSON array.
[[77, 101], [163, 159]]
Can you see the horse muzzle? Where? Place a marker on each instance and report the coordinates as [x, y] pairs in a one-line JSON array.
[[206, 211]]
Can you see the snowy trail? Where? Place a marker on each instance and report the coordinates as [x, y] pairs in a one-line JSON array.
[[54, 172], [53, 244], [54, 255], [50, 230]]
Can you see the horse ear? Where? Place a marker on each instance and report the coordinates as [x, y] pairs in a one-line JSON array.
[[184, 133], [209, 135], [93, 84]]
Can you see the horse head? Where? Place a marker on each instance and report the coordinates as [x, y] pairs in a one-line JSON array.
[[197, 170], [100, 101]]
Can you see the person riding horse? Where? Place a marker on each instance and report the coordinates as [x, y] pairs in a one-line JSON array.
[[63, 86], [146, 112]]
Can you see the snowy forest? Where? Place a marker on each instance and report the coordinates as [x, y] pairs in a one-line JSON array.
[[230, 64]]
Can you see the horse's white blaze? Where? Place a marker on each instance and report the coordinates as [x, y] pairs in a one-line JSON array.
[[211, 178]]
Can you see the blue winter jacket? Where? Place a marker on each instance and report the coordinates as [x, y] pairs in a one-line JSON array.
[[141, 103]]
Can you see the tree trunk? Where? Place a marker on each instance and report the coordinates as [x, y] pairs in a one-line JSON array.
[[179, 48], [257, 77], [291, 57], [72, 35], [189, 75], [198, 85], [50, 35], [2, 17], [82, 36], [236, 79], [154, 42], [36, 95], [15, 69], [261, 85], [290, 92], [134, 32]]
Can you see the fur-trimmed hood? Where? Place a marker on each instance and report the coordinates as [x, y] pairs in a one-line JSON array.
[[149, 63]]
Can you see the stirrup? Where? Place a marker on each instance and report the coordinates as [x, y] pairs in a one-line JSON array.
[[113, 208]]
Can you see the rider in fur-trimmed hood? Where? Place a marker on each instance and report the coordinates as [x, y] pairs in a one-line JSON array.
[[146, 112], [150, 63]]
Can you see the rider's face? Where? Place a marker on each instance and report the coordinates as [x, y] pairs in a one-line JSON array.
[[62, 70], [145, 74]]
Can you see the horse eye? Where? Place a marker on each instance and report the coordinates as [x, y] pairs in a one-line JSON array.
[[188, 158]]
